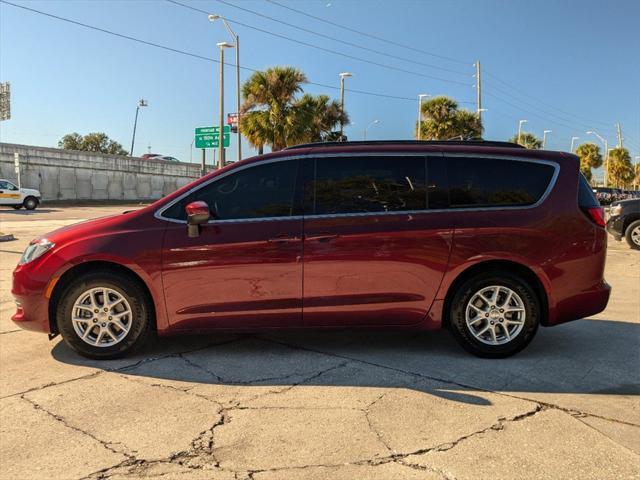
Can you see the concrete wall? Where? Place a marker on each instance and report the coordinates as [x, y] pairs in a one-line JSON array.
[[73, 175]]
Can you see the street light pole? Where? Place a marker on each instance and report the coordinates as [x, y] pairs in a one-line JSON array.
[[141, 103], [573, 140], [375, 122], [544, 138], [420, 97], [343, 75], [222, 46], [520, 123], [236, 39], [606, 155]]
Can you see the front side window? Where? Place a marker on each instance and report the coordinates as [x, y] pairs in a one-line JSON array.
[[487, 182], [261, 191], [368, 184]]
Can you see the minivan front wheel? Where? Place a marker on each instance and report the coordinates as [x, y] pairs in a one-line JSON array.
[[494, 314], [104, 315], [632, 235]]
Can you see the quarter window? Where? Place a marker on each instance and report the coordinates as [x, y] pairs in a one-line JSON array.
[[478, 182], [369, 184], [265, 190]]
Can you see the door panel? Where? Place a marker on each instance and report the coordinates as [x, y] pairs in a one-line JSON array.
[[244, 270], [373, 254], [375, 270], [234, 275]]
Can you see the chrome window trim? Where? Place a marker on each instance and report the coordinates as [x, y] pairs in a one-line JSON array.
[[556, 167]]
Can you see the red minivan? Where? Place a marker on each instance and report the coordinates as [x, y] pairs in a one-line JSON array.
[[487, 239]]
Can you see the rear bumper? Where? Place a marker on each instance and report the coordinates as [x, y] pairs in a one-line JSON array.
[[583, 304]]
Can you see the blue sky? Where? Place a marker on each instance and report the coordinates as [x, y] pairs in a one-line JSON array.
[[565, 66]]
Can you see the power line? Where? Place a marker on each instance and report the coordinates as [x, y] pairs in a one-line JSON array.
[[369, 35], [345, 42], [521, 92], [589, 122], [328, 50], [191, 54]]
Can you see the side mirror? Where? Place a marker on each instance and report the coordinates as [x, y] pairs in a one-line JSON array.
[[197, 214]]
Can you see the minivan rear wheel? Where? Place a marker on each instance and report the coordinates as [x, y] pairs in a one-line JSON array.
[[104, 315], [494, 314]]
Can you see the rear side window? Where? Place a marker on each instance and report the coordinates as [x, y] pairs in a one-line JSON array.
[[490, 182], [586, 198], [259, 191], [369, 184]]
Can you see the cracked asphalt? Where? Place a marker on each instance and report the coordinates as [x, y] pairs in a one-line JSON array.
[[322, 405]]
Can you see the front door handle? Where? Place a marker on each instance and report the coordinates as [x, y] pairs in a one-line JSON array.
[[284, 239], [322, 237]]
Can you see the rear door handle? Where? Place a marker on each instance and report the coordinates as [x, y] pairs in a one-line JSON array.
[[284, 239], [322, 237]]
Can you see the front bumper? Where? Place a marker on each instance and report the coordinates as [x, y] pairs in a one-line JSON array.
[[615, 227], [32, 306]]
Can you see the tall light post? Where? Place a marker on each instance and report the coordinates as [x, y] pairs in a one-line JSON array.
[[222, 46], [520, 123], [573, 142], [606, 155], [236, 39], [420, 97], [375, 122], [544, 138], [141, 103], [343, 75]]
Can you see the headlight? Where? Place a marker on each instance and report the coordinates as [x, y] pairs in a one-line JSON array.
[[615, 210], [35, 250]]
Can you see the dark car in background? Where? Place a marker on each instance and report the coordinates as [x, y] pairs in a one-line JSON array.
[[624, 221]]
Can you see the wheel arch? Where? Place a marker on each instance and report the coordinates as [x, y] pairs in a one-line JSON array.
[[629, 219], [92, 266], [498, 265]]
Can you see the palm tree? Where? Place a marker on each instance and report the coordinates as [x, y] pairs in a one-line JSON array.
[[527, 140], [621, 170], [590, 157], [267, 112], [320, 116], [442, 120]]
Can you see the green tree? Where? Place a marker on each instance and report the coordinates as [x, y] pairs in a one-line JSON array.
[[621, 172], [590, 157], [320, 118], [527, 140], [92, 142], [273, 115], [443, 120]]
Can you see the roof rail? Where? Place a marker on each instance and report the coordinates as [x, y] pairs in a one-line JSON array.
[[484, 143]]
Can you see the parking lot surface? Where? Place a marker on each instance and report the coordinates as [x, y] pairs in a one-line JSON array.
[[322, 405]]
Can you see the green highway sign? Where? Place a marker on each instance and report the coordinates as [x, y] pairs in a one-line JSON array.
[[209, 137]]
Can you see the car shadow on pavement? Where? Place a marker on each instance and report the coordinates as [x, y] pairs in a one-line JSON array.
[[22, 212], [584, 357]]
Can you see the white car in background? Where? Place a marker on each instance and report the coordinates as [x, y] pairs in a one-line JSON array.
[[12, 196]]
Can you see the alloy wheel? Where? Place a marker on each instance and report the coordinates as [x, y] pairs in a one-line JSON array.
[[101, 317], [495, 315], [635, 235]]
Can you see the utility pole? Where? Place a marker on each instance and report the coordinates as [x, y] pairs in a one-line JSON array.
[[479, 92], [420, 97], [222, 46], [520, 123], [544, 138], [343, 75], [141, 103], [620, 139]]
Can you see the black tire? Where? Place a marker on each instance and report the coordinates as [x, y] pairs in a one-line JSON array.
[[141, 319], [469, 288], [628, 234], [17, 207], [30, 203]]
